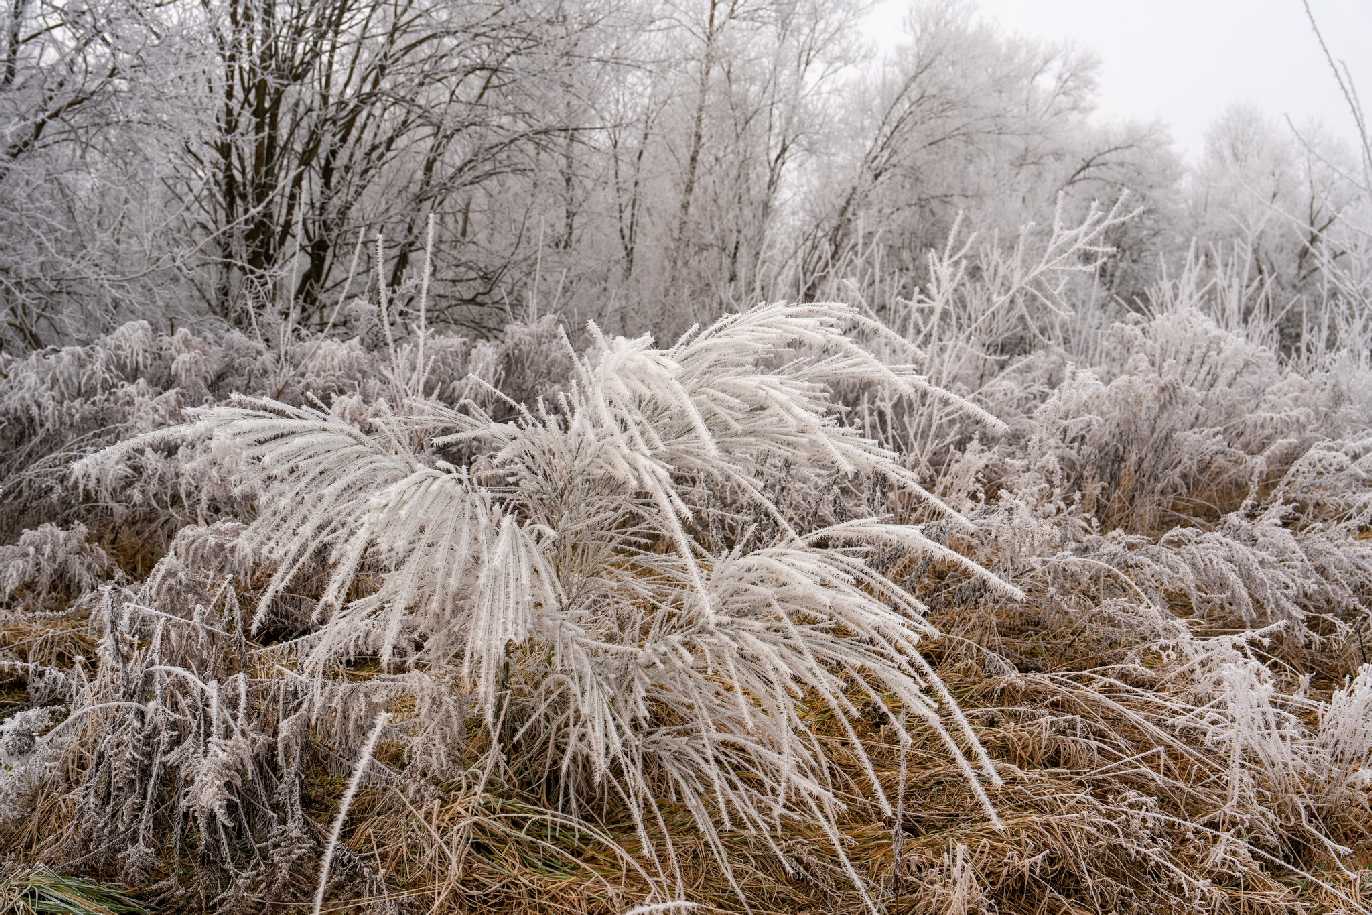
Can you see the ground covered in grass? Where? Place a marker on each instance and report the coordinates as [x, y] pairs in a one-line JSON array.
[[797, 614]]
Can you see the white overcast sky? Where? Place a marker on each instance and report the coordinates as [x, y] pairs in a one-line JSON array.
[[1184, 61]]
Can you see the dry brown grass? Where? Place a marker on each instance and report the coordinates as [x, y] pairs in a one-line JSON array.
[[1106, 807]]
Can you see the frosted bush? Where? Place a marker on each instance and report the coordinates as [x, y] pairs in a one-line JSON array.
[[1343, 741], [26, 756], [50, 559], [1244, 721]]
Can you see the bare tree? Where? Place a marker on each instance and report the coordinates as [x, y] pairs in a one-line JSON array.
[[68, 75], [965, 121], [335, 117]]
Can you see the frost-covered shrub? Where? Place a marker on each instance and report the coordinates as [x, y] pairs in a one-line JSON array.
[[1343, 742], [1251, 571], [1171, 430], [1258, 571], [981, 327], [1241, 717], [1331, 482], [50, 562], [26, 757]]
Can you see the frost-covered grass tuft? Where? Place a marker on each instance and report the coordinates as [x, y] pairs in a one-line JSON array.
[[633, 618]]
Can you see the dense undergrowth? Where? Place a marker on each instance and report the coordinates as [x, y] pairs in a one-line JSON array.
[[994, 599]]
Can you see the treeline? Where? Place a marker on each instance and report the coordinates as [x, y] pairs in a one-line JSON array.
[[643, 163]]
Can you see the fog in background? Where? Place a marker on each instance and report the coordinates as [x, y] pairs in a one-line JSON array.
[[1184, 61]]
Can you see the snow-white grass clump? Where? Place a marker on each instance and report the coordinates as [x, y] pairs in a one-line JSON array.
[[616, 645]]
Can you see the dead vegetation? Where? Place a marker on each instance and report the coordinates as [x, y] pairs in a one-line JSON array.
[[672, 633]]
